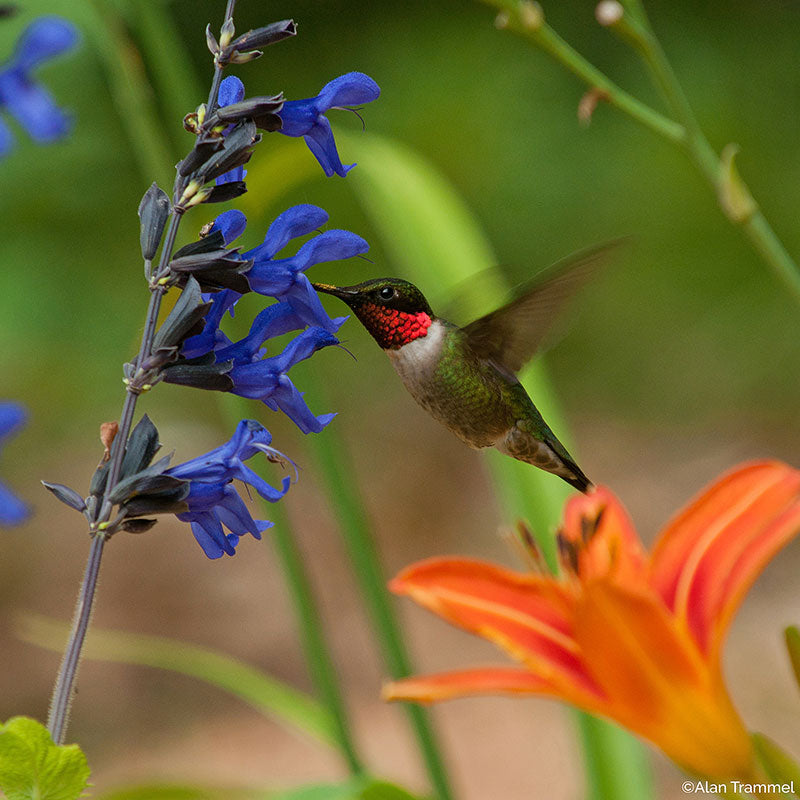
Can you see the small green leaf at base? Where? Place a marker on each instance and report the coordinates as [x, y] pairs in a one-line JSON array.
[[32, 767], [779, 766], [355, 789]]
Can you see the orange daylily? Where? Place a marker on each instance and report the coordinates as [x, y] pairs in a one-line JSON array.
[[627, 635]]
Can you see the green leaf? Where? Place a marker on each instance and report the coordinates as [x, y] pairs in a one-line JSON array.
[[380, 790], [778, 764], [792, 636], [435, 240], [356, 789], [32, 767], [272, 697]]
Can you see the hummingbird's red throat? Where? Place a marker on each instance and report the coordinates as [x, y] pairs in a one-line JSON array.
[[391, 328]]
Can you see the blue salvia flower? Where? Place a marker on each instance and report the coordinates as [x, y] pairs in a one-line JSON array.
[[283, 278], [12, 509], [28, 102], [307, 118], [265, 379], [213, 503]]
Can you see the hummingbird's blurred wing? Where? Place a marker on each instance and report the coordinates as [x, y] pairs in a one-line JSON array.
[[511, 335]]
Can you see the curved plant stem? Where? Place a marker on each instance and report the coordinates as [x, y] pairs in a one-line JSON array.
[[317, 653], [526, 19], [331, 456]]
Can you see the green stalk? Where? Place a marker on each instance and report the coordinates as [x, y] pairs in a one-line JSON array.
[[527, 19], [322, 670], [637, 30], [330, 452]]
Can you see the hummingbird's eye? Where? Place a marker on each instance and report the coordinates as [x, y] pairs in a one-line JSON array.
[[386, 293]]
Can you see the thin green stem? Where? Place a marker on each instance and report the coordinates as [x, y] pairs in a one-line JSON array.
[[332, 464], [319, 660], [318, 656], [635, 28], [514, 18]]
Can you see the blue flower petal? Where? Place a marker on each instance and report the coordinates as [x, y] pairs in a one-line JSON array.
[[230, 224], [351, 89], [207, 530], [290, 401], [12, 417], [306, 118], [33, 107], [333, 245], [295, 221], [305, 302], [12, 509], [43, 39], [6, 139], [231, 91], [322, 145], [298, 116]]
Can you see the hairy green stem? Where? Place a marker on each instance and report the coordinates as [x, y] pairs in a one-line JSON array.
[[62, 695]]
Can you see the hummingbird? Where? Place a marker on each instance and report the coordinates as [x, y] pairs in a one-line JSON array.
[[466, 377]]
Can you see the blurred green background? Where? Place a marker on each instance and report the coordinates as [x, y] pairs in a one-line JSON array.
[[680, 361]]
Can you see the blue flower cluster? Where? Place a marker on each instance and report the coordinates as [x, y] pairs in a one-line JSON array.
[[191, 349], [213, 502], [298, 306], [28, 102]]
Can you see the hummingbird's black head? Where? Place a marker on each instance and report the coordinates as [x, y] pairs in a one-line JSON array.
[[394, 311]]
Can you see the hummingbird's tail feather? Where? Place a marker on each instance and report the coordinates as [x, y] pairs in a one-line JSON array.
[[543, 450], [578, 480]]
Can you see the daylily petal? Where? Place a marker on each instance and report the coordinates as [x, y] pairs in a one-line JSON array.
[[528, 616], [708, 557], [601, 539], [463, 683], [657, 682]]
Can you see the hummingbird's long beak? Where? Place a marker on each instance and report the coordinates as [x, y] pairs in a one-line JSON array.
[[342, 292]]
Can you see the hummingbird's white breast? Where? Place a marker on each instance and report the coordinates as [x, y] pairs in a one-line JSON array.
[[416, 361]]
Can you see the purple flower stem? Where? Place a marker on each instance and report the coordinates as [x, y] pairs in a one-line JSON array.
[[58, 717]]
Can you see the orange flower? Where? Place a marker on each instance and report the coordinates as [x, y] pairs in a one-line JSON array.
[[624, 634]]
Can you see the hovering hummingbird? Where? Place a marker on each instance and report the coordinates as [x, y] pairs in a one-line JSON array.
[[465, 377]]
